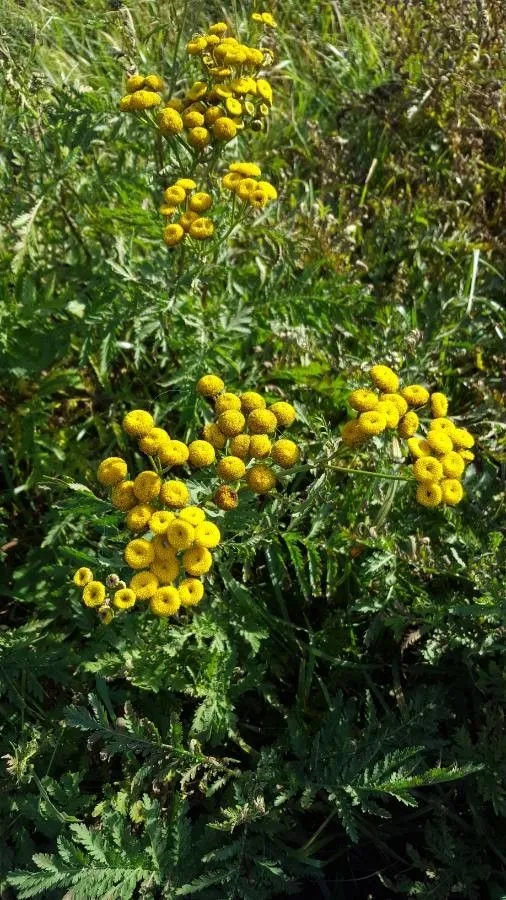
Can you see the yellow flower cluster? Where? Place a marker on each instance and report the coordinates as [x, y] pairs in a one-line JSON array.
[[191, 221], [242, 179], [143, 92], [170, 550], [244, 431], [265, 18], [440, 456]]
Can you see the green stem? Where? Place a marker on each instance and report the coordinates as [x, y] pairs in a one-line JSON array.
[[176, 48], [380, 475]]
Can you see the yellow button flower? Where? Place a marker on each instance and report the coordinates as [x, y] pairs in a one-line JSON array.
[[212, 114], [163, 552], [147, 486], [213, 435], [191, 591], [453, 464], [180, 534], [165, 601], [202, 453], [438, 405], [439, 441], [175, 195], [144, 100], [154, 83], [196, 46], [193, 514], [466, 455], [390, 411], [187, 219], [385, 379], [207, 535], [371, 423], [352, 435], [239, 446], [233, 106], [363, 400], [225, 498], [251, 400], [428, 468], [124, 598], [167, 210], [231, 468], [139, 553], [82, 577], [201, 229], [226, 401], [398, 400], [415, 395], [165, 570], [137, 423], [224, 129], [429, 494], [264, 90], [188, 184], [210, 385], [259, 446], [200, 202], [284, 412], [111, 470], [452, 491], [94, 594], [247, 169], [193, 119], [173, 453], [174, 494], [160, 521], [462, 439], [418, 447], [137, 518], [258, 198], [170, 122], [263, 421], [285, 453], [231, 180], [123, 497], [173, 234], [408, 425], [199, 137], [144, 585], [443, 424], [260, 479], [135, 83], [219, 28], [175, 103], [197, 561], [231, 422], [151, 442]]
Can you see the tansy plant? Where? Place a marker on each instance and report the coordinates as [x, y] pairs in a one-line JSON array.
[[171, 538], [440, 449], [196, 125]]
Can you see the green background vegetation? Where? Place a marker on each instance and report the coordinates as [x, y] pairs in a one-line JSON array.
[[331, 723]]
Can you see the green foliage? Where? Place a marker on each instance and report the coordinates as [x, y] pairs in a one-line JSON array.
[[331, 721]]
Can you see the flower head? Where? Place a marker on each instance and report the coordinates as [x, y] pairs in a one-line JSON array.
[[165, 601], [439, 441], [408, 425], [285, 453], [427, 468], [443, 424], [415, 394], [429, 494], [231, 468], [418, 447], [111, 470], [462, 439], [210, 385], [180, 534], [160, 521], [151, 442], [452, 491], [259, 446], [94, 594], [173, 234], [193, 514], [226, 401], [390, 411], [174, 494], [166, 570], [231, 422], [251, 400], [200, 202], [198, 137], [284, 412], [173, 453], [453, 464], [262, 421], [138, 422], [191, 591], [144, 585], [398, 400], [170, 122], [385, 379], [260, 479], [137, 518], [363, 400], [197, 561], [225, 498], [124, 598], [207, 535], [438, 405], [239, 446], [352, 434], [201, 453], [372, 422], [139, 553], [147, 486], [201, 229], [82, 577]]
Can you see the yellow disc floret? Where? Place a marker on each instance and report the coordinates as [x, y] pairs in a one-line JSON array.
[[139, 554], [111, 470], [259, 446], [443, 424], [408, 425], [137, 518], [231, 422], [173, 234], [418, 447], [197, 561], [166, 570], [180, 534], [453, 464], [231, 468], [124, 598], [160, 521], [260, 479], [173, 453], [385, 379], [165, 601], [284, 412], [94, 593], [191, 591], [170, 122], [82, 577], [262, 421], [174, 494], [438, 405], [363, 400], [285, 453], [213, 435], [429, 494], [193, 514], [226, 401], [201, 453], [415, 394], [208, 535], [439, 441], [239, 446], [462, 439], [210, 385], [390, 411], [137, 423], [200, 202], [427, 468], [371, 423], [452, 491], [225, 498], [251, 400], [144, 585], [153, 441], [147, 486], [398, 400]]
